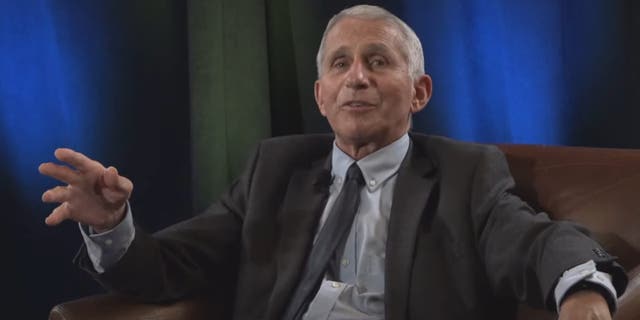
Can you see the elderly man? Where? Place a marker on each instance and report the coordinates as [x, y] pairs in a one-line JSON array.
[[372, 222]]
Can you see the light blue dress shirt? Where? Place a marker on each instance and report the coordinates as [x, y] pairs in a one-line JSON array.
[[358, 292]]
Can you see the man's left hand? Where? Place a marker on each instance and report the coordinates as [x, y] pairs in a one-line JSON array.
[[585, 305]]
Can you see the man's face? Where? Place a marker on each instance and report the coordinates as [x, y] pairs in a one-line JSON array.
[[365, 90]]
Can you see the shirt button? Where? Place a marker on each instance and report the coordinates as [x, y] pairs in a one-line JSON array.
[[335, 284], [372, 182], [108, 242], [345, 262]]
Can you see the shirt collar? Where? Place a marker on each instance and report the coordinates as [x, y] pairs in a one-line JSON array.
[[376, 167]]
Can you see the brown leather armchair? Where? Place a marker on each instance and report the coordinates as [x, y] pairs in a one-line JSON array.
[[596, 187]]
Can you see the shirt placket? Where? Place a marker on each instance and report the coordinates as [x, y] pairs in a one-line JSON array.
[[348, 262]]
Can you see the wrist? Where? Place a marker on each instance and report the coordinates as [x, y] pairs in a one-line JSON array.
[[588, 293], [112, 220]]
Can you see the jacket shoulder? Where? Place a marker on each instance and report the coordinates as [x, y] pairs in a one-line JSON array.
[[438, 147], [292, 149]]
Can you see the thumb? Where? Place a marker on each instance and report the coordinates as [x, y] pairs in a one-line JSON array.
[[116, 185], [110, 178]]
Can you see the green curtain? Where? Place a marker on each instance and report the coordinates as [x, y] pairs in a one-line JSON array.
[[252, 68]]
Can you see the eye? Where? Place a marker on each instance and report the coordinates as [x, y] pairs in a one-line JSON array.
[[377, 62], [339, 64]]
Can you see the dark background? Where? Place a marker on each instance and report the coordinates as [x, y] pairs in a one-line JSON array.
[[112, 79]]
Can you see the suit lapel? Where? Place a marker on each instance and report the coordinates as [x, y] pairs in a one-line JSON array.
[[302, 207], [412, 190]]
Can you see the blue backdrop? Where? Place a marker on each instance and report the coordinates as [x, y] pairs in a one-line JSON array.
[[545, 71], [49, 86], [109, 78]]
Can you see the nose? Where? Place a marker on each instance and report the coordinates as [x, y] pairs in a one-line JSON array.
[[358, 76]]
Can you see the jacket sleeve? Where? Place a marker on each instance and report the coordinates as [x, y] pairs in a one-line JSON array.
[[196, 255]]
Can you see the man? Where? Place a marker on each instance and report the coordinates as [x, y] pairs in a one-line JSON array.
[[436, 234]]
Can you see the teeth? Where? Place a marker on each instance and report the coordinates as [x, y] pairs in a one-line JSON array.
[[357, 104]]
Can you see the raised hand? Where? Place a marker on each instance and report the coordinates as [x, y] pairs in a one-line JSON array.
[[94, 195]]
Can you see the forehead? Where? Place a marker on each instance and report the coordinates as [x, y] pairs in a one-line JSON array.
[[355, 33]]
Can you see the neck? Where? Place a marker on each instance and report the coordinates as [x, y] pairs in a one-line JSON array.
[[358, 150]]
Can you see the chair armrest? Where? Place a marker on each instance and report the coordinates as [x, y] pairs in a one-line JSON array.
[[112, 306], [629, 302]]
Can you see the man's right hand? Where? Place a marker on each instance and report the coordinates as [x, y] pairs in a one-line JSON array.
[[94, 195]]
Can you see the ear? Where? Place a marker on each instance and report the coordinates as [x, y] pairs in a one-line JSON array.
[[423, 87], [317, 92]]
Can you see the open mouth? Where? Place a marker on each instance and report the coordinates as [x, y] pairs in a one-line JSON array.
[[358, 104]]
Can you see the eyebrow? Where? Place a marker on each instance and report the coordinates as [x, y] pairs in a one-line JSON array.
[[377, 48], [371, 48], [341, 51]]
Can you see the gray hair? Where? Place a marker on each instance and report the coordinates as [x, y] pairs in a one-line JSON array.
[[413, 48]]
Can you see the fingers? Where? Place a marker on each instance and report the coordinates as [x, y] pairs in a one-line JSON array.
[[58, 194], [113, 180], [76, 159], [91, 188], [58, 215], [62, 173]]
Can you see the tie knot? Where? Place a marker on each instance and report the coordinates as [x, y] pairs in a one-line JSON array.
[[354, 173]]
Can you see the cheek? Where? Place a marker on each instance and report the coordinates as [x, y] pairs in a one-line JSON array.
[[329, 94], [330, 102], [402, 99]]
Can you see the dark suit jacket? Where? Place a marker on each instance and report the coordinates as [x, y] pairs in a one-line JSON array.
[[460, 244]]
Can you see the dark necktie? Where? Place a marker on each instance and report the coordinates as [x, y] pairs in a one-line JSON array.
[[331, 236]]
